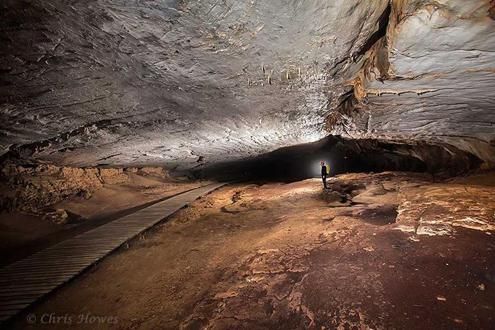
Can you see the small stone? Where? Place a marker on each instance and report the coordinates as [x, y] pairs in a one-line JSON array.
[[86, 194], [481, 287], [58, 217], [441, 298]]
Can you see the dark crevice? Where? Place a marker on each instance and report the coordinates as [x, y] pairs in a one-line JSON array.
[[377, 56], [379, 34], [491, 10]]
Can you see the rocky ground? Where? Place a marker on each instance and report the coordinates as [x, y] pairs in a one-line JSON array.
[[390, 250]]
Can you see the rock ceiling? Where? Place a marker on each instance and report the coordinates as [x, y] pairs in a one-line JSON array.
[[166, 82]]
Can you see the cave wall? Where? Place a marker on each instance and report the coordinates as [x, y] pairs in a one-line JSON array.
[[431, 78], [35, 188], [181, 83]]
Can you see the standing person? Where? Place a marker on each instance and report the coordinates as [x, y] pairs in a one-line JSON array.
[[324, 174]]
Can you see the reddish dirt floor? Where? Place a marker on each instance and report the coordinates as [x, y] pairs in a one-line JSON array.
[[23, 234], [376, 251]]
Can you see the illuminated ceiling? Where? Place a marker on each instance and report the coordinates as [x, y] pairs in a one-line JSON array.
[[184, 83]]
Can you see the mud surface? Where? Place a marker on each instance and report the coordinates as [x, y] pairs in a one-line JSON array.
[[290, 256]]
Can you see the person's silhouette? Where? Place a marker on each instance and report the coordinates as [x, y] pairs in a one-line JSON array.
[[324, 173]]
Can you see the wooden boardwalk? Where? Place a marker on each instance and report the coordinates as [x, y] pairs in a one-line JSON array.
[[24, 282]]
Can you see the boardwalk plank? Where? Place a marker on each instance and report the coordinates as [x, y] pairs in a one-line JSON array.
[[24, 282]]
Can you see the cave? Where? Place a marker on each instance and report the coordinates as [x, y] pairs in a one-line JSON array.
[[264, 164]]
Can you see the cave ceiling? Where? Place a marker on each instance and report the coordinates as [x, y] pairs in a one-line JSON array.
[[186, 83]]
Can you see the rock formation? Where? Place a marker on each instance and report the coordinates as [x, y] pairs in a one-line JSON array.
[[33, 189], [182, 83]]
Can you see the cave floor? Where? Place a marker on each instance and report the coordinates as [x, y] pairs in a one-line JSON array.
[[23, 234], [389, 250]]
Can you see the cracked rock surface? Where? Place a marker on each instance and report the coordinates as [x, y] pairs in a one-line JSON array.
[[178, 83], [295, 257]]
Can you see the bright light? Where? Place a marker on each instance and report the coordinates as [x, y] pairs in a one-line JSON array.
[[316, 167]]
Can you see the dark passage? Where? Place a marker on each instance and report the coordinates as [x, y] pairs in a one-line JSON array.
[[344, 155]]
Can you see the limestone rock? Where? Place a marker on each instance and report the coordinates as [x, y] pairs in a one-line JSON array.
[[113, 175], [177, 82]]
